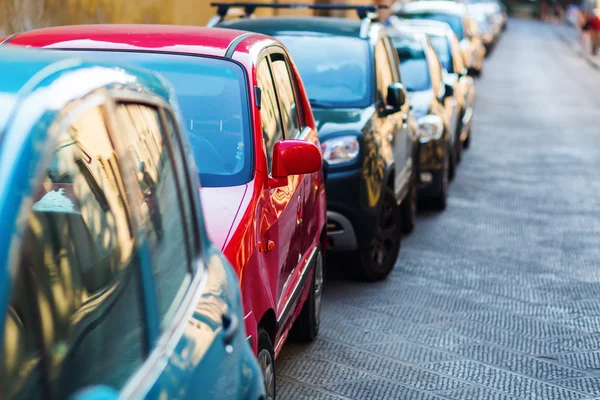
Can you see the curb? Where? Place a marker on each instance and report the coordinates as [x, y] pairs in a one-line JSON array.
[[576, 47]]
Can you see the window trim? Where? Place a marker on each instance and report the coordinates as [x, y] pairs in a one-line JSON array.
[[278, 52], [265, 55]]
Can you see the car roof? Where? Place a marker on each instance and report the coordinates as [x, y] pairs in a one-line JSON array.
[[437, 6], [164, 38], [274, 26]]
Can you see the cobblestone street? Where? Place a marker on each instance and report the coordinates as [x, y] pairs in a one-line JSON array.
[[498, 297]]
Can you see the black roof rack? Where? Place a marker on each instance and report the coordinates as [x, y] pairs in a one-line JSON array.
[[223, 8]]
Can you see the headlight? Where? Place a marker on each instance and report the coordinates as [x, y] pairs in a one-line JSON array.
[[340, 149], [431, 127]]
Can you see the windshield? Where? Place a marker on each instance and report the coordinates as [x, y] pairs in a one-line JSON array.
[[413, 64], [442, 48], [334, 69], [455, 21], [213, 99]]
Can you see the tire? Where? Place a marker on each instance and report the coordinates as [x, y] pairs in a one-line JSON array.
[[467, 142], [376, 260], [459, 146], [408, 207], [452, 164], [306, 326], [266, 359], [438, 202]]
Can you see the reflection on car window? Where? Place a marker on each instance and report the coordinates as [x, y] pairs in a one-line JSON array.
[[385, 76], [413, 64], [442, 48], [158, 199], [269, 110], [213, 98], [289, 112], [455, 21], [188, 210], [80, 269], [334, 69]]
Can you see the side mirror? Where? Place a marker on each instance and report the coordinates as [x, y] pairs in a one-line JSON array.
[[396, 97], [295, 157], [448, 90]]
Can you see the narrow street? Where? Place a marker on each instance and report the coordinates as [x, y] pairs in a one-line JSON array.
[[498, 297]]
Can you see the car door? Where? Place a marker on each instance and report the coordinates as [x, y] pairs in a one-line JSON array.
[[295, 128], [279, 228], [76, 309], [198, 331], [393, 127]]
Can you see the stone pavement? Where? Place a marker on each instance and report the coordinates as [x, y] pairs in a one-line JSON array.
[[498, 297]]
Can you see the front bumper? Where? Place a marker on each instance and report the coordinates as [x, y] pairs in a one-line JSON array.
[[350, 224]]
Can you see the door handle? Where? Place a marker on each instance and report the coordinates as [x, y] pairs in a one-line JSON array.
[[231, 325]]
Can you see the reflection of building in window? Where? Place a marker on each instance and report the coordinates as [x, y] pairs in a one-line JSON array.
[[76, 279]]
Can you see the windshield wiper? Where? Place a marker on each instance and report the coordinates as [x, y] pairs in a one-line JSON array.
[[319, 103]]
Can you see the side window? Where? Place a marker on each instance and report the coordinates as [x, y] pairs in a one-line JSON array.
[[383, 68], [269, 110], [456, 51], [78, 282], [285, 88], [182, 178], [158, 198], [435, 69]]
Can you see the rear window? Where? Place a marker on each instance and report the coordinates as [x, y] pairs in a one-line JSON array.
[[455, 21], [213, 99], [442, 48], [335, 70], [413, 64]]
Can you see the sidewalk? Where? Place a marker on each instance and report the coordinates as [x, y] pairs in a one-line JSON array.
[[571, 36]]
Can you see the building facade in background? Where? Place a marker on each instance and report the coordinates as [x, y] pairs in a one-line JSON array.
[[20, 15]]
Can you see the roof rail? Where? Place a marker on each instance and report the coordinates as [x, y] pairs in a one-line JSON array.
[[365, 12]]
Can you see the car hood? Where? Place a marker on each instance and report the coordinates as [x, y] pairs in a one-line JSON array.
[[220, 206], [334, 120], [421, 101]]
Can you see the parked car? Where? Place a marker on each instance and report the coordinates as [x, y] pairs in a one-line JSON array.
[[447, 47], [368, 132], [462, 23], [489, 30], [96, 301], [435, 108], [255, 142]]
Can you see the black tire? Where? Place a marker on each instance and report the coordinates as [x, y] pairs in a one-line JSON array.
[[467, 142], [439, 201], [376, 260], [452, 163], [266, 358], [408, 207], [459, 145], [306, 326]]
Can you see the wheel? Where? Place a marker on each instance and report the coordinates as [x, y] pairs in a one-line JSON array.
[[266, 360], [376, 260], [467, 142], [306, 326], [452, 164], [409, 207], [439, 202], [458, 142]]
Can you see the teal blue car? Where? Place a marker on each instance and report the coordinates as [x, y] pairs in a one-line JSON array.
[[109, 287]]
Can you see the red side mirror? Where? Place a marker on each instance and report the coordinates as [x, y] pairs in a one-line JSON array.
[[295, 157]]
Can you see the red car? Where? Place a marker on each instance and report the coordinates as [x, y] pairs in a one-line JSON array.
[[255, 144]]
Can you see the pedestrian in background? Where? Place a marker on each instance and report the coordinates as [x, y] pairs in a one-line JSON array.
[[590, 27]]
